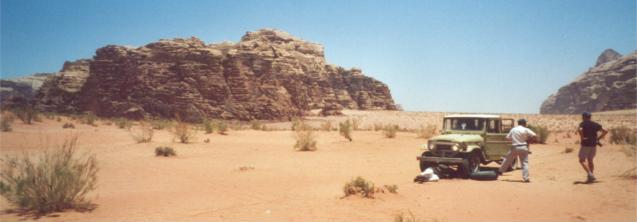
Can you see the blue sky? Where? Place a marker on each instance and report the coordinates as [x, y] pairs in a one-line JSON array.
[[467, 56]]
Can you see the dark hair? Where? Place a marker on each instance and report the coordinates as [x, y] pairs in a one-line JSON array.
[[521, 121], [586, 115]]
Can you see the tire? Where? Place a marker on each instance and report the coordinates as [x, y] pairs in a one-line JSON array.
[[470, 164], [423, 165]]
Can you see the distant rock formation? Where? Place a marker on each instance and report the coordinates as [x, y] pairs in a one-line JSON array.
[[269, 74], [610, 85], [20, 91]]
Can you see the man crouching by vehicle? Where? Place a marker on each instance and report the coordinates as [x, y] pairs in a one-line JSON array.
[[520, 137]]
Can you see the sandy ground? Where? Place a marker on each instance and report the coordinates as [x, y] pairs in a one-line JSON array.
[[205, 183]]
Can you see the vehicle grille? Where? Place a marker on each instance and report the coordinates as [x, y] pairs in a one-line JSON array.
[[443, 147]]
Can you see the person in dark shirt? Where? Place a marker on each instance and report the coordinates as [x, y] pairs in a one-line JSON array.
[[589, 140]]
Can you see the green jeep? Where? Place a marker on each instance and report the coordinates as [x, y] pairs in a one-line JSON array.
[[466, 142]]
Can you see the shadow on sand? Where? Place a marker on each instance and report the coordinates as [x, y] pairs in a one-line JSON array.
[[25, 214]]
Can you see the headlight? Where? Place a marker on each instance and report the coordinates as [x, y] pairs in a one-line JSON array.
[[455, 147], [429, 145]]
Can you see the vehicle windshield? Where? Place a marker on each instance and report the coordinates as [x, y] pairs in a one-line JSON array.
[[468, 124]]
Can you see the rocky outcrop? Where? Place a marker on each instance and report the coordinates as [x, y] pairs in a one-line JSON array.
[[20, 91], [269, 74], [610, 85]]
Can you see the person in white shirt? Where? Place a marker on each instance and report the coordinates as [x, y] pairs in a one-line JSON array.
[[520, 137]]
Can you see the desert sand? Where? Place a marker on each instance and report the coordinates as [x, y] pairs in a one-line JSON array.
[[251, 175]]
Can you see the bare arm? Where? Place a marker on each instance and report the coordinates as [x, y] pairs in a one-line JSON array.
[[604, 132]]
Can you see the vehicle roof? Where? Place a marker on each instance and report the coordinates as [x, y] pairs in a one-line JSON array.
[[484, 116]]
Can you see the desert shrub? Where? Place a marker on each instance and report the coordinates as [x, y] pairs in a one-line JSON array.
[[622, 135], [183, 132], [207, 140], [568, 150], [345, 129], [165, 151], [378, 126], [89, 118], [356, 123], [123, 123], [6, 120], [222, 127], [208, 126], [390, 131], [305, 138], [410, 218], [392, 188], [426, 132], [144, 133], [160, 124], [542, 133], [59, 179], [246, 168], [68, 126], [59, 119], [256, 125], [49, 115], [359, 186], [27, 114], [326, 126]]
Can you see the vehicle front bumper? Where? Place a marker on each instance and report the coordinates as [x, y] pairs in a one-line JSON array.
[[440, 160]]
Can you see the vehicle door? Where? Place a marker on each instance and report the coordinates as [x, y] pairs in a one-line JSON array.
[[496, 144]]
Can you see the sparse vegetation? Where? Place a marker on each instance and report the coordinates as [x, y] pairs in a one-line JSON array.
[[165, 151], [568, 150], [57, 180], [378, 126], [68, 126], [409, 218], [256, 125], [359, 186], [160, 124], [390, 131], [27, 114], [356, 122], [629, 151], [89, 118], [305, 137], [6, 120], [326, 126], [123, 123], [391, 188], [207, 140], [345, 129], [144, 133], [630, 174], [426, 132], [542, 133], [183, 132], [246, 168], [222, 127], [208, 126], [622, 135]]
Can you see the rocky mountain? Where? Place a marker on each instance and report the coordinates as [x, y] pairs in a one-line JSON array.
[[20, 91], [269, 74], [610, 85]]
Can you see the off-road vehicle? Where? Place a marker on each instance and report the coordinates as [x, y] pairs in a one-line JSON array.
[[466, 141]]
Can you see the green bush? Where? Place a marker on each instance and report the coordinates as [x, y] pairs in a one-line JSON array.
[[165, 151], [542, 133], [59, 179], [359, 186], [622, 135], [6, 120], [305, 138], [390, 131], [345, 129]]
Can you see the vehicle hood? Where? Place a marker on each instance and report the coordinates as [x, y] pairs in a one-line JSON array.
[[458, 138]]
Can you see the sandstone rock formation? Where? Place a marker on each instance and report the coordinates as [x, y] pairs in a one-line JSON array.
[[610, 85], [20, 91], [269, 74]]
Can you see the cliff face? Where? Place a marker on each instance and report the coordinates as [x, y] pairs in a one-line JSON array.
[[610, 85], [20, 91], [269, 74]]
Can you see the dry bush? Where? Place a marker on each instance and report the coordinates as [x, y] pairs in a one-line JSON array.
[[160, 124], [207, 126], [345, 129], [568, 150], [305, 138], [391, 188], [89, 118], [221, 126], [183, 132], [123, 123], [390, 131], [68, 126], [622, 135], [410, 218], [6, 120], [359, 186], [326, 126], [165, 151], [27, 114], [256, 125], [542, 133], [59, 179], [426, 132], [144, 133], [356, 123], [378, 126]]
